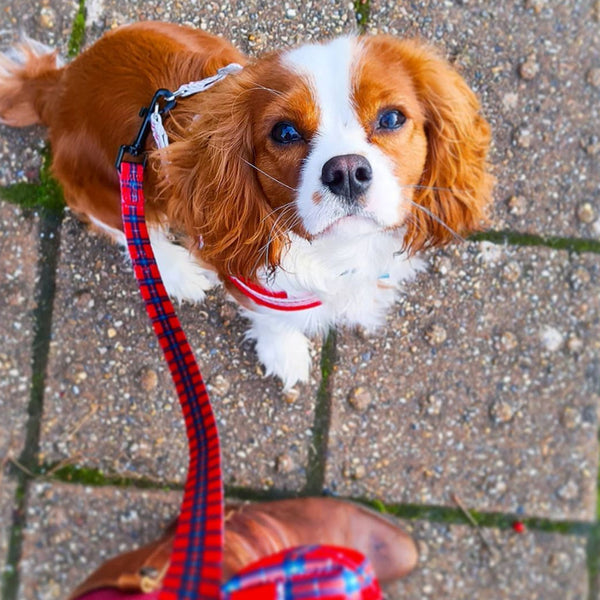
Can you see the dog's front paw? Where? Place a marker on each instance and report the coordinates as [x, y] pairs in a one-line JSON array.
[[183, 277], [284, 352]]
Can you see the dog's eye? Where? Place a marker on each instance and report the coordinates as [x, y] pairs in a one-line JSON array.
[[391, 119], [285, 133]]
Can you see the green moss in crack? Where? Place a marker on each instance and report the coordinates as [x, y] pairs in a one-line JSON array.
[[362, 9], [50, 194], [77, 32], [46, 195], [24, 195], [95, 477], [516, 238], [315, 475], [455, 516]]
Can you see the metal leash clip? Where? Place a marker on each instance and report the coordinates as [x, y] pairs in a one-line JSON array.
[[136, 148]]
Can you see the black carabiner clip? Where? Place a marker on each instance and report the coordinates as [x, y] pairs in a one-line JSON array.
[[137, 147]]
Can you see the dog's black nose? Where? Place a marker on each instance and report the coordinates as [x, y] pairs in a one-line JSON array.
[[348, 176]]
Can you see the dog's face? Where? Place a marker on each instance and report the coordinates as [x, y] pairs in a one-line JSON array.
[[355, 133], [345, 138]]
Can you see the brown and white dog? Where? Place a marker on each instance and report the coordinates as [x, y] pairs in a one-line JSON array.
[[318, 170]]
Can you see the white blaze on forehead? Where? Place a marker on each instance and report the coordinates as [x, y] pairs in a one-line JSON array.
[[330, 71], [328, 68]]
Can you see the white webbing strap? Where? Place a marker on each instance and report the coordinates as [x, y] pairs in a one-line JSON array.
[[187, 89]]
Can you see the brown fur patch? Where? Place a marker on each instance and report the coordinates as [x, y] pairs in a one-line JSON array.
[[441, 150], [228, 180], [27, 90]]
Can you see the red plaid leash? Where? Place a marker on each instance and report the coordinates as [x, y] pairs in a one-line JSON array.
[[195, 571]]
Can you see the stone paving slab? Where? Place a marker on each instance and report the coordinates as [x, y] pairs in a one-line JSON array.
[[535, 65], [18, 257], [484, 384], [252, 25], [71, 530], [109, 401], [49, 22], [455, 563]]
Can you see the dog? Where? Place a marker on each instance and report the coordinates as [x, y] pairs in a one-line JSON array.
[[310, 178]]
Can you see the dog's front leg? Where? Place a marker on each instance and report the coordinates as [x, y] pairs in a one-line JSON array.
[[282, 348]]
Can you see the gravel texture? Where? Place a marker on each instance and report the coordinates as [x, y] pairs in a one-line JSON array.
[[254, 26], [532, 64], [71, 530], [461, 563], [485, 383], [7, 500], [18, 258], [110, 402]]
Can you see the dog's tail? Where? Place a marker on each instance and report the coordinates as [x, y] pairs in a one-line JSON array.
[[29, 76]]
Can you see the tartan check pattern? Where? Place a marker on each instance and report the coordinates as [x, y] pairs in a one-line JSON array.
[[195, 571], [306, 573]]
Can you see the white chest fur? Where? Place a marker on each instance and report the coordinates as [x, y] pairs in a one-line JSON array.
[[356, 272]]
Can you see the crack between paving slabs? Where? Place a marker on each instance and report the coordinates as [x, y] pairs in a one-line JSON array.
[[48, 252]]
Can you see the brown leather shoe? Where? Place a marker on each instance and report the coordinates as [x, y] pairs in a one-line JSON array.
[[256, 530], [253, 531]]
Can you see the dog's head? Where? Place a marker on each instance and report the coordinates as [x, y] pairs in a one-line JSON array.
[[370, 131]]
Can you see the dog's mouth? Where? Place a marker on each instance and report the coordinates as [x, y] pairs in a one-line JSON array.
[[354, 223]]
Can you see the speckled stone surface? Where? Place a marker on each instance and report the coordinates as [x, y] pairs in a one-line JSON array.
[[110, 402], [484, 384], [456, 563], [71, 530], [7, 501], [252, 25], [49, 22], [18, 257], [533, 65]]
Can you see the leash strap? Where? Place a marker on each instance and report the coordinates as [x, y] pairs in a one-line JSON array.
[[195, 571]]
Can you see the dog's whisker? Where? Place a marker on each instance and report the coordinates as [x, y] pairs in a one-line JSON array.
[[269, 176], [267, 89], [287, 211], [415, 222], [284, 208], [290, 224], [431, 187], [431, 215]]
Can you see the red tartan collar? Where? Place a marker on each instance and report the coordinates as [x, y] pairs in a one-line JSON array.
[[277, 300]]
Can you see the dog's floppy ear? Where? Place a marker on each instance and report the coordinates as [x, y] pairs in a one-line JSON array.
[[210, 187], [455, 188]]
